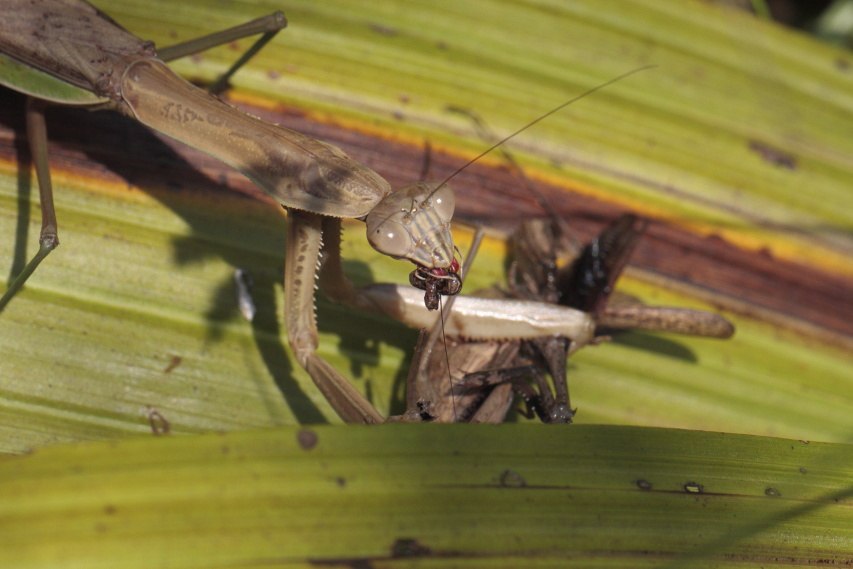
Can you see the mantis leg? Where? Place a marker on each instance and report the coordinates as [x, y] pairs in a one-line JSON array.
[[48, 239], [269, 26], [304, 240]]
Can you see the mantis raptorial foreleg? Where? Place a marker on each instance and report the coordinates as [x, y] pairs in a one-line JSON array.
[[305, 234]]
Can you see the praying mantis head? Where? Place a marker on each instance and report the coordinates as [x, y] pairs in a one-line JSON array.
[[413, 223]]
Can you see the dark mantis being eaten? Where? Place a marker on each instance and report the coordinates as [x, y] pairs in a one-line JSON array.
[[466, 379]]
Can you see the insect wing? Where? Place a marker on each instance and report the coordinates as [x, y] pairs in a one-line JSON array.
[[67, 39]]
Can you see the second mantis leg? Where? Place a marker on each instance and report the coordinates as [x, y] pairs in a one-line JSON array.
[[48, 238]]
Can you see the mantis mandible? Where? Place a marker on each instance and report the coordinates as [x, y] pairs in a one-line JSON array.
[[67, 52]]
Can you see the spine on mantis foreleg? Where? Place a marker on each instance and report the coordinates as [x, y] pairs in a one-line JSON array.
[[299, 171]]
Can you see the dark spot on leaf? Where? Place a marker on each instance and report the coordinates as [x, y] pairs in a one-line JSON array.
[[774, 156], [409, 547], [307, 439], [802, 470], [174, 362], [644, 484], [341, 481], [159, 424], [510, 479], [109, 510], [383, 30], [771, 492]]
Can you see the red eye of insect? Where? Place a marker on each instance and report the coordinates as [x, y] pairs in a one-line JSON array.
[[454, 266], [439, 272]]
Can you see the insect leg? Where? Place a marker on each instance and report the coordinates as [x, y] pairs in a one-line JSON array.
[[269, 26], [48, 239], [304, 239]]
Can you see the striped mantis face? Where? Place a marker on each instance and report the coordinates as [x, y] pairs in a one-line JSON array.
[[414, 224]]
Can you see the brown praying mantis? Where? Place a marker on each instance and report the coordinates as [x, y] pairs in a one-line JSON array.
[[67, 52]]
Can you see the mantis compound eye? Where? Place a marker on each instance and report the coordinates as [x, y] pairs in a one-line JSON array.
[[443, 202], [389, 237]]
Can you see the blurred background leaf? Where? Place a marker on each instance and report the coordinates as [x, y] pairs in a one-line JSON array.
[[430, 495]]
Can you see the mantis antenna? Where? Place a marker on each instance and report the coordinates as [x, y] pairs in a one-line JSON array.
[[543, 117]]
